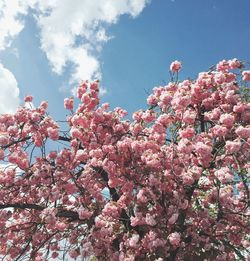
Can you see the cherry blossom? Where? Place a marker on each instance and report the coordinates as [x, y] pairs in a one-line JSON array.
[[175, 66], [171, 183]]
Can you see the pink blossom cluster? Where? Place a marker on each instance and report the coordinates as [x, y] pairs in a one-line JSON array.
[[172, 183], [175, 66]]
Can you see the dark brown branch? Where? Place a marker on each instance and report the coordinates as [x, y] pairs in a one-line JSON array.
[[22, 206], [63, 138], [180, 223], [15, 142], [124, 218], [244, 181], [113, 193], [70, 214], [201, 118], [27, 138]]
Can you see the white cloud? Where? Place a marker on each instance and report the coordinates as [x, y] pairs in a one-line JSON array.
[[11, 25], [9, 91], [72, 33], [11, 22]]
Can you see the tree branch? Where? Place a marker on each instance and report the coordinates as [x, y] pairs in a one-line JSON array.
[[70, 214]]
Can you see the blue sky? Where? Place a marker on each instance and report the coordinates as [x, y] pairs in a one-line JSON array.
[[130, 46]]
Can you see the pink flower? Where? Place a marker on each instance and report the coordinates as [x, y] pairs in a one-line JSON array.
[[13, 130], [54, 255], [239, 108], [28, 98], [135, 221], [219, 78], [137, 116], [232, 146], [82, 89], [94, 86], [84, 213], [150, 220], [81, 155], [141, 196], [75, 133], [187, 133], [174, 239], [234, 63], [219, 131], [69, 103], [230, 77], [175, 66], [189, 117], [44, 105], [164, 119], [215, 114], [134, 240], [184, 205], [52, 155], [61, 226], [224, 174], [148, 116], [35, 116], [245, 116], [111, 210], [173, 218], [1, 154], [246, 75], [184, 146], [243, 132], [53, 133], [203, 150], [4, 140], [151, 100], [222, 66], [227, 120], [187, 179], [180, 102], [166, 98]]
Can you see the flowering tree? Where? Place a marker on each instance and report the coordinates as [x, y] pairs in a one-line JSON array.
[[171, 184]]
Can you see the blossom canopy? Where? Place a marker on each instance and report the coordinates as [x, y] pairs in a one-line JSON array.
[[172, 183]]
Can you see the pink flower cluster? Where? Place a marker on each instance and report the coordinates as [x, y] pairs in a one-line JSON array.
[[171, 183], [175, 66]]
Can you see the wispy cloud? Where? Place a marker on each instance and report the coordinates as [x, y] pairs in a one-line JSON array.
[[11, 22], [9, 94], [72, 33]]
